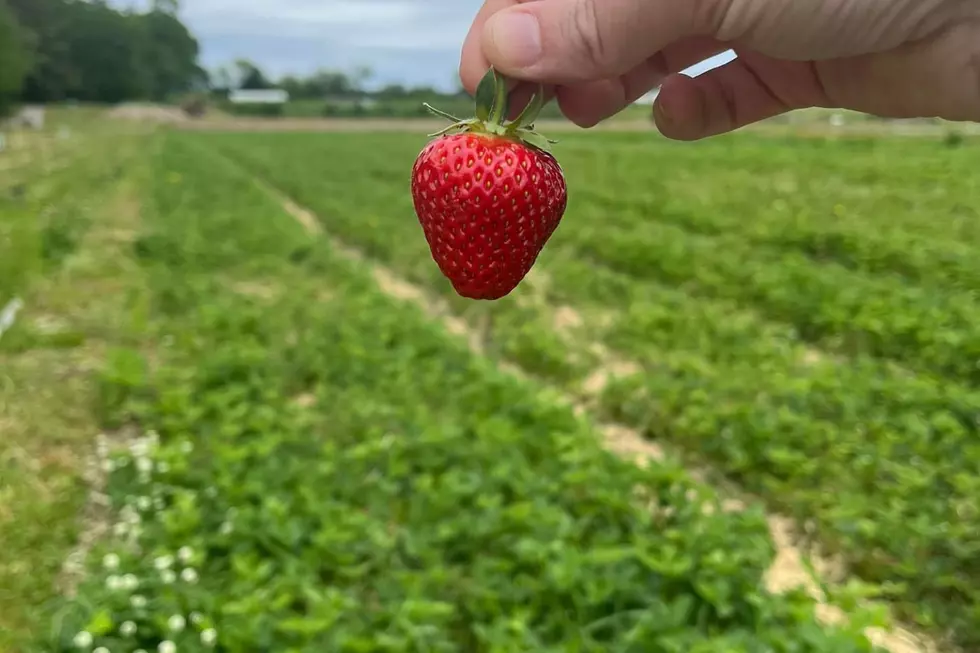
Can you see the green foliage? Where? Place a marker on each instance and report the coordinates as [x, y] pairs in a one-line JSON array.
[[325, 469], [253, 109], [89, 51], [19, 247], [15, 58], [801, 314]]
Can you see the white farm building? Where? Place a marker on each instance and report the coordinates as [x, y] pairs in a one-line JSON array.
[[258, 96]]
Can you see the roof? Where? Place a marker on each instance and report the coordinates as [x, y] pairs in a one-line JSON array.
[[258, 96]]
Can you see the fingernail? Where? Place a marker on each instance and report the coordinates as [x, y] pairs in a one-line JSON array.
[[515, 36]]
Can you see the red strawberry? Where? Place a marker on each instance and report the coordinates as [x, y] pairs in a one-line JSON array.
[[489, 196]]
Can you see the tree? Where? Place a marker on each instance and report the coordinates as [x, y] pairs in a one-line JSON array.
[[15, 57], [250, 76], [360, 77], [89, 50], [168, 7], [169, 54], [106, 51]]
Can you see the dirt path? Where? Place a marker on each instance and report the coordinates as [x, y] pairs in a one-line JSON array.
[[788, 570], [426, 125]]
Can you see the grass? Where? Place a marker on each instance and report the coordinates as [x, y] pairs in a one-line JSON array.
[[73, 286], [300, 456]]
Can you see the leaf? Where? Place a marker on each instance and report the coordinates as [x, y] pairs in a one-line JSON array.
[[532, 110], [100, 623], [534, 139], [485, 95], [440, 113]]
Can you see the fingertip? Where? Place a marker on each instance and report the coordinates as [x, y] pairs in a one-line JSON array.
[[512, 40], [589, 103], [472, 64], [679, 110], [472, 67]]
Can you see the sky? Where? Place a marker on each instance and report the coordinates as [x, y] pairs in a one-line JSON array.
[[411, 42]]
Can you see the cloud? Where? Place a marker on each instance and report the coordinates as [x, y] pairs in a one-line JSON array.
[[403, 41], [408, 41]]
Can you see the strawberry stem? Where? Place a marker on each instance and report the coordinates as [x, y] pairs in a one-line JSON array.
[[492, 108]]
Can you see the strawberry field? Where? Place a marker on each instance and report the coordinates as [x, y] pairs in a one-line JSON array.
[[309, 442]]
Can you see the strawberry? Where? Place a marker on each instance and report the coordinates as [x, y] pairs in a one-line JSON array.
[[489, 195]]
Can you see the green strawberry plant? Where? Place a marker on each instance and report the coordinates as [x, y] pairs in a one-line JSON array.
[[343, 475]]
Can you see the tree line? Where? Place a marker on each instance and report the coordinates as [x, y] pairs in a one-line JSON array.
[[324, 83], [88, 51]]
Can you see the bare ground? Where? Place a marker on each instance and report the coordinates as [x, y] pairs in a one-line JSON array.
[[217, 121], [426, 126]]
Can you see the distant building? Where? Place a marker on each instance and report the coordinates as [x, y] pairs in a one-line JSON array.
[[258, 96]]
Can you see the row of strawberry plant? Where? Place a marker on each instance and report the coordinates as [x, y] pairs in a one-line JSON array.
[[883, 460], [822, 234], [888, 186], [866, 209], [828, 304], [325, 469], [648, 232]]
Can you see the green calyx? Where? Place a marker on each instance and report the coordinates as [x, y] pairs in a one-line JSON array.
[[492, 109]]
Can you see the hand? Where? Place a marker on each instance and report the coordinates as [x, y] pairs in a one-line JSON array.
[[891, 58]]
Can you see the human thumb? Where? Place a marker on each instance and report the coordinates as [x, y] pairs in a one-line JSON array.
[[568, 41]]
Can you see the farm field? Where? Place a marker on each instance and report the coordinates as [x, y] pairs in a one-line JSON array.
[[308, 442]]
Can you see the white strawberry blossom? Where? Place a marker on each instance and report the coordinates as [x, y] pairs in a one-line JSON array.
[[140, 449], [83, 639], [176, 623]]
